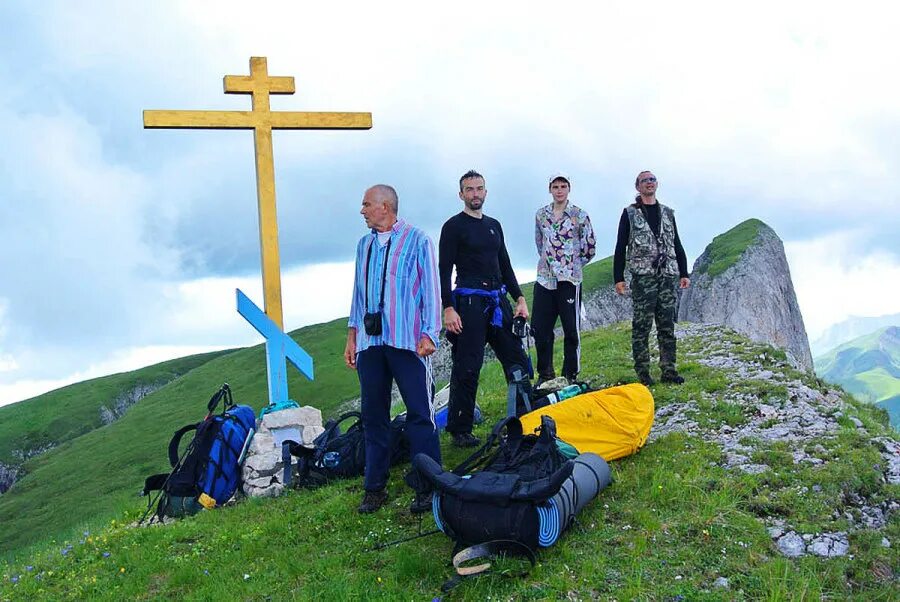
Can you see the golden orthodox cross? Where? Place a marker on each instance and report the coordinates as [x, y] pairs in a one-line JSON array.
[[262, 121]]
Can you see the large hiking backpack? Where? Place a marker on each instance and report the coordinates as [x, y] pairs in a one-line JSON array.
[[208, 473], [513, 499], [493, 495], [337, 454]]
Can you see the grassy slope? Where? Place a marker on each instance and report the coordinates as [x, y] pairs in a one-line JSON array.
[[672, 522], [73, 411], [72, 486], [726, 248], [70, 411], [866, 367]]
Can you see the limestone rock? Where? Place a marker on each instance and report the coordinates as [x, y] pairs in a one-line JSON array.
[[263, 469], [791, 545], [830, 545], [754, 296]]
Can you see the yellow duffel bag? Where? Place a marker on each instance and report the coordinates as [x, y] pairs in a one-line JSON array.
[[612, 423]]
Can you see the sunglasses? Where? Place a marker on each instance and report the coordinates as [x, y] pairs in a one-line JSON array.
[[651, 180]]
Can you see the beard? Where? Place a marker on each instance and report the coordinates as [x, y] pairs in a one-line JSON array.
[[475, 204]]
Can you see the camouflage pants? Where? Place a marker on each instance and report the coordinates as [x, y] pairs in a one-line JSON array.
[[653, 297]]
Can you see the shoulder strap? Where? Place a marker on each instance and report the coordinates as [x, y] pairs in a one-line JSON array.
[[176, 441], [513, 433]]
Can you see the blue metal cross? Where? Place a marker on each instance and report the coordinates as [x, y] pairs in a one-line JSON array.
[[279, 348]]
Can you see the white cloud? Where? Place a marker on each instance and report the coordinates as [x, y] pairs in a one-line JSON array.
[[835, 278]]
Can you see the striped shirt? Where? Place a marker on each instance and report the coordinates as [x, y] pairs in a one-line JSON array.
[[412, 300]]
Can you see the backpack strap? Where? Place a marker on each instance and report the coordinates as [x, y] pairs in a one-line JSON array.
[[513, 433], [176, 441], [488, 549]]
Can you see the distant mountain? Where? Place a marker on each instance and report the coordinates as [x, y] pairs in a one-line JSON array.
[[849, 329], [869, 367]]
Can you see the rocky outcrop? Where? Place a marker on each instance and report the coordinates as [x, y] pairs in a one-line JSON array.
[[7, 476], [124, 400], [604, 306], [753, 295]]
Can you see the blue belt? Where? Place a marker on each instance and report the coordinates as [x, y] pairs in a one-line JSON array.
[[494, 296]]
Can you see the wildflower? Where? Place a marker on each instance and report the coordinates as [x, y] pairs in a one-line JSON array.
[[64, 551], [379, 579], [14, 579], [121, 569], [29, 568], [86, 533], [246, 576], [106, 554]]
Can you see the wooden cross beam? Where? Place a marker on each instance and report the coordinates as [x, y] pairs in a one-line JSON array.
[[262, 121]]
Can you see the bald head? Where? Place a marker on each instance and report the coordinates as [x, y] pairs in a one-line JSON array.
[[385, 194]]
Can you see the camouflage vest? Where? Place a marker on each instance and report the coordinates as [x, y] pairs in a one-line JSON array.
[[642, 245]]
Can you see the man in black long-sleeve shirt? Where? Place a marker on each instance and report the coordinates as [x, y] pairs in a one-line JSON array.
[[478, 310], [648, 238]]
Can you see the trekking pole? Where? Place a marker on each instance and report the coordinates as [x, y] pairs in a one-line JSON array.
[[162, 488], [418, 535]]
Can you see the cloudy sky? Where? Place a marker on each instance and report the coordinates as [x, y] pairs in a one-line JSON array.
[[121, 246]]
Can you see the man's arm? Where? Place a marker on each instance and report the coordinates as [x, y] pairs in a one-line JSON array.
[[357, 307], [430, 307], [448, 247], [538, 235], [588, 241], [684, 280], [619, 255]]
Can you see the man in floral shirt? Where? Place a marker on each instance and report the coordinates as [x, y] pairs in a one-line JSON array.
[[565, 243]]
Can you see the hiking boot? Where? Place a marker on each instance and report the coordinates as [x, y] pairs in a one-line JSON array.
[[465, 440], [372, 501], [672, 377], [421, 503], [645, 379]]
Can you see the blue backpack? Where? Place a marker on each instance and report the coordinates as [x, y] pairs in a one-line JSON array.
[[209, 471]]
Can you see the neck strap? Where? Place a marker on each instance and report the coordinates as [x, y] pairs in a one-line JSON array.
[[383, 271]]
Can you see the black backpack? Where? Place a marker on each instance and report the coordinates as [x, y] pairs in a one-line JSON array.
[[337, 454], [493, 494]]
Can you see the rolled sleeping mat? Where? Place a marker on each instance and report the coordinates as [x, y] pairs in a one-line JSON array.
[[590, 476]]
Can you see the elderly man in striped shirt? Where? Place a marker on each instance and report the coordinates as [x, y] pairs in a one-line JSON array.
[[395, 320]]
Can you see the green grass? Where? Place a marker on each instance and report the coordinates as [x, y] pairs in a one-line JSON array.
[[725, 249], [672, 522], [92, 478], [71, 411]]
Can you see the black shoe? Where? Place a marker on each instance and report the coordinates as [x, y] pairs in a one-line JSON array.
[[646, 380], [372, 501], [672, 377], [421, 503], [465, 440]]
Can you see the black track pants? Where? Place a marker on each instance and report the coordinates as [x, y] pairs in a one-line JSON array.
[[468, 356], [563, 303]]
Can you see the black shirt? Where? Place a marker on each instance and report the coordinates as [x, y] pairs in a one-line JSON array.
[[651, 212], [477, 249]]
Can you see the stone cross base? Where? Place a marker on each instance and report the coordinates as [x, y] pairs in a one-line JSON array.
[[263, 468]]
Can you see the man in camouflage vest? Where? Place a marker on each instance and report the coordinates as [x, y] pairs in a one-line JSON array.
[[648, 242]]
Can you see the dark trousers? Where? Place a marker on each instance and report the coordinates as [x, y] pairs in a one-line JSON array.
[[377, 367], [467, 351], [653, 298], [563, 303]]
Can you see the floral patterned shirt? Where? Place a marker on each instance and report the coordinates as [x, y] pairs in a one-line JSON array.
[[564, 246]]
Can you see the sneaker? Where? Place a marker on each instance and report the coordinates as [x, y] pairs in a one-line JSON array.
[[541, 380], [372, 501], [421, 503], [465, 440], [646, 380], [672, 377]]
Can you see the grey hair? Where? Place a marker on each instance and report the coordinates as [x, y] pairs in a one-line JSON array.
[[387, 194]]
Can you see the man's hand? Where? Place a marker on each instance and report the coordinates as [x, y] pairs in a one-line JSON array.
[[452, 321], [425, 347], [521, 308], [350, 349], [684, 282], [620, 287]]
